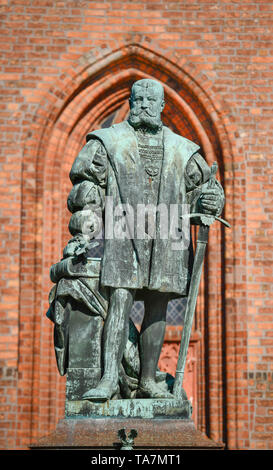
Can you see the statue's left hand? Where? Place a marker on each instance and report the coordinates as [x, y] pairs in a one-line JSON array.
[[210, 201]]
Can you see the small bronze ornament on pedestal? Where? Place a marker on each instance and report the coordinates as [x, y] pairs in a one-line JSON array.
[[127, 442]]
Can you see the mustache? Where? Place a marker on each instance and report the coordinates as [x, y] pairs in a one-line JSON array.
[[142, 111], [142, 119]]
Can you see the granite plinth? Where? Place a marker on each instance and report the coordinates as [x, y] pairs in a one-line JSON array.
[[131, 408], [102, 433]]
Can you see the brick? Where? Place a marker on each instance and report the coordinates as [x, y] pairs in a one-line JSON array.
[[223, 60]]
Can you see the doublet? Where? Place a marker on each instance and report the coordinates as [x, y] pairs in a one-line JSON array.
[[150, 147]]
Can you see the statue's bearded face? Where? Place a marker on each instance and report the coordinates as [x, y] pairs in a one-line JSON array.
[[146, 103]]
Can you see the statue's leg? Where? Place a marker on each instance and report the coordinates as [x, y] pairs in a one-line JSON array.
[[115, 336], [116, 331], [151, 342]]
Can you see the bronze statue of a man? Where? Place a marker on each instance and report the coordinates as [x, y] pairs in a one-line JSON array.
[[139, 163]]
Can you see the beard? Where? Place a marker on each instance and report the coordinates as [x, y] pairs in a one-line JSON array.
[[142, 119]]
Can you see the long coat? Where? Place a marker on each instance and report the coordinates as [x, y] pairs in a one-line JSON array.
[[122, 259]]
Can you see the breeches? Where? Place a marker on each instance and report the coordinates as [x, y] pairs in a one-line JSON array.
[[155, 302]]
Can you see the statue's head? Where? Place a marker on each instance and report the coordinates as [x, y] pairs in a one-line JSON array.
[[146, 104]]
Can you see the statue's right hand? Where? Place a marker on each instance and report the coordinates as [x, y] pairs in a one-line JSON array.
[[69, 250], [76, 246]]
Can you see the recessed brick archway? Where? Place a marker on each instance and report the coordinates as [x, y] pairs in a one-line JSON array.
[[83, 97]]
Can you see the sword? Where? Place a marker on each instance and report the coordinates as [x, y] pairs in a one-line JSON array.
[[202, 240]]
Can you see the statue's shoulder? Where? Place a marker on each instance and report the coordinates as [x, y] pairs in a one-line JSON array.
[[108, 133], [182, 142]]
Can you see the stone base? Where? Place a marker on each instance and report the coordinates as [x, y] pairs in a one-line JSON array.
[[134, 408], [102, 433]]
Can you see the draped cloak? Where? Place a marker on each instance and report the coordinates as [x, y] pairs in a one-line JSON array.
[[170, 268]]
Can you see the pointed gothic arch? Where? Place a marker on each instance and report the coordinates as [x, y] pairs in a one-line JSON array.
[[97, 87]]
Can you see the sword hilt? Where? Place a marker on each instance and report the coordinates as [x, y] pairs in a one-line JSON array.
[[211, 218], [213, 171], [208, 219]]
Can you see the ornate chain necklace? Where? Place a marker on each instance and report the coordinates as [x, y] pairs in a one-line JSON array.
[[151, 151]]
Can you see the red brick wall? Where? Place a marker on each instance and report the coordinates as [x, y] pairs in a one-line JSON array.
[[65, 65]]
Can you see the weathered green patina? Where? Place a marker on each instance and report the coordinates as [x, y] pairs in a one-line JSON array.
[[137, 163]]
